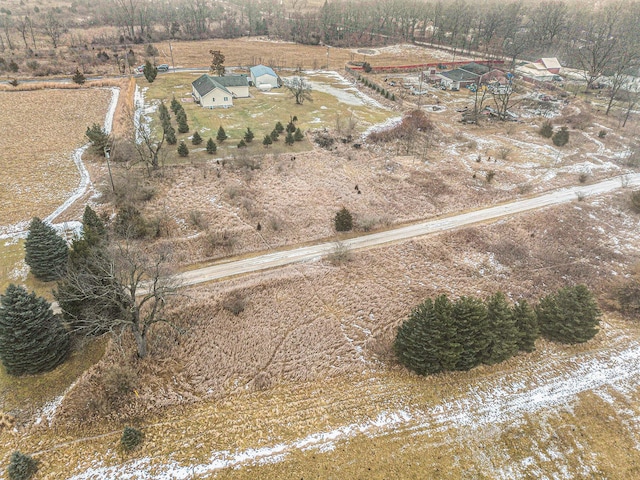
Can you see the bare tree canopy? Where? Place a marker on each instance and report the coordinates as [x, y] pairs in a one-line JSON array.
[[299, 88]]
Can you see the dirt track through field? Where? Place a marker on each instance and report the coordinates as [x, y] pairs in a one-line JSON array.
[[551, 385], [315, 252]]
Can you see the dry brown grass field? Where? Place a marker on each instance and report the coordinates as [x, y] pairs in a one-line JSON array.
[[275, 359], [41, 130], [315, 337]]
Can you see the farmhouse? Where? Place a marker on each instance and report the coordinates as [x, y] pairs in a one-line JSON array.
[[212, 92], [261, 75]]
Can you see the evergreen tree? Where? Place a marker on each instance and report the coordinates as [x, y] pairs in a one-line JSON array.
[[78, 77], [267, 141], [289, 140], [274, 135], [222, 135], [150, 71], [211, 146], [183, 151], [45, 252], [470, 315], [279, 127], [94, 230], [181, 118], [527, 324], [298, 136], [571, 315], [426, 341], [241, 144], [32, 339], [98, 137], [248, 136], [175, 106], [343, 221], [165, 116], [21, 466], [83, 260], [170, 135], [502, 330], [196, 139]]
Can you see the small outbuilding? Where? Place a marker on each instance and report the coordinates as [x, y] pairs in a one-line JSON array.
[[261, 75], [213, 92], [458, 78]]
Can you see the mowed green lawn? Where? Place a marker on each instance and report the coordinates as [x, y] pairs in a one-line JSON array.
[[332, 99]]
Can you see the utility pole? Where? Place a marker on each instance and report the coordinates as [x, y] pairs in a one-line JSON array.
[[171, 51], [327, 58]]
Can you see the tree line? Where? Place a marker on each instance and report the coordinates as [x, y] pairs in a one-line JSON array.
[[603, 38], [443, 335]]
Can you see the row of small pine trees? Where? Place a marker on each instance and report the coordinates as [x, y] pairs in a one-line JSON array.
[[442, 335], [370, 84]]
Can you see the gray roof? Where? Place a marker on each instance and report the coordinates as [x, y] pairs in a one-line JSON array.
[[206, 83], [460, 75], [476, 68], [259, 70]]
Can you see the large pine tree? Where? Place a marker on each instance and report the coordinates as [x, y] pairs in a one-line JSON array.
[[527, 324], [32, 339], [503, 333], [426, 341], [470, 315], [45, 252], [571, 315]]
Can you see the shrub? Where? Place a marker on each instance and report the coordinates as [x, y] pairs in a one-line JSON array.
[[343, 221], [131, 438], [602, 133], [78, 77], [248, 136], [561, 137], [235, 303], [21, 466], [366, 67], [289, 139], [571, 315], [546, 130], [196, 139], [13, 66], [489, 176], [583, 177], [324, 140], [222, 135], [183, 151], [130, 223], [98, 137], [242, 144], [635, 201]]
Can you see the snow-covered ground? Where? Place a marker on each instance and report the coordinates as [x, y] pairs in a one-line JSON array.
[[19, 230], [551, 387]]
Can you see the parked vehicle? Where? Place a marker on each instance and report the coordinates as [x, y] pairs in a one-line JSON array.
[[139, 69], [163, 67]]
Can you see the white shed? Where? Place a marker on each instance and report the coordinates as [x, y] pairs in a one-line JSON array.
[[261, 75]]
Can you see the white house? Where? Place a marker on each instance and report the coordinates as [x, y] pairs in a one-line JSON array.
[[212, 92], [261, 75]]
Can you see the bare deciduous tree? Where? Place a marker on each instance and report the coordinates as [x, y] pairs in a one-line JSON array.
[[299, 88], [53, 27]]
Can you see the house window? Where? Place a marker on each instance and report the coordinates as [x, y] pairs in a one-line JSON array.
[[226, 99]]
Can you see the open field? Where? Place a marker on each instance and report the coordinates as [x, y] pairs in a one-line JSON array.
[[560, 410], [40, 131]]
